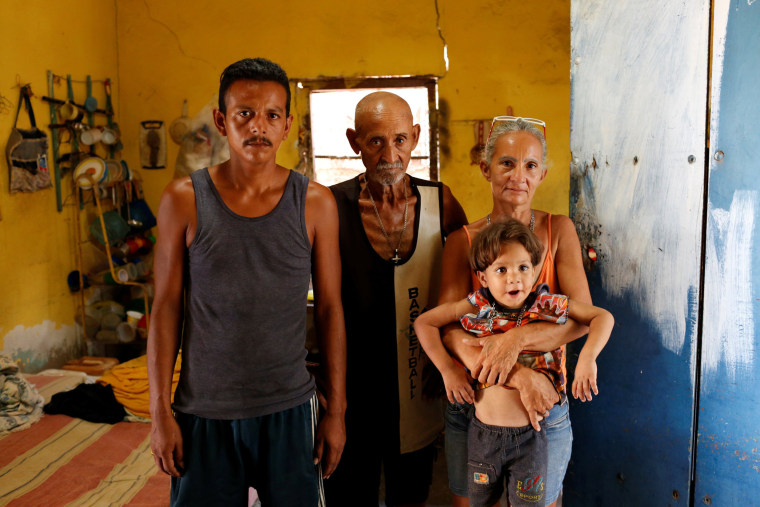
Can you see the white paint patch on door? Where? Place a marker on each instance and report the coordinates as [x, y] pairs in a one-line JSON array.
[[720, 25], [638, 106], [729, 321], [42, 346]]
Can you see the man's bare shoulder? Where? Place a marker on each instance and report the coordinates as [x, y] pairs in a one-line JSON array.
[[321, 208], [457, 237], [454, 216], [319, 196], [448, 196], [178, 199], [180, 188]]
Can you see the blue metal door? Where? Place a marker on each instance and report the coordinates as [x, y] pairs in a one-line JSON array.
[[728, 426], [678, 263], [638, 99]]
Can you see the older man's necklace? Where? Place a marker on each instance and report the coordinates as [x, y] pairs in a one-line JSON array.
[[532, 219], [395, 259]]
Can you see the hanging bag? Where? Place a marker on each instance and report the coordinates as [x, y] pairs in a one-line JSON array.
[[27, 153]]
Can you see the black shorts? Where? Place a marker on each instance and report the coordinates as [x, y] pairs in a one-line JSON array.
[[497, 454], [273, 454], [356, 481]]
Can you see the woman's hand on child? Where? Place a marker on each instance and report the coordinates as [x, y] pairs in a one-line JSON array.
[[498, 356], [458, 388], [585, 380], [537, 393]]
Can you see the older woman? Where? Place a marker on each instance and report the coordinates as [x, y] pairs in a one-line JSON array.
[[514, 165]]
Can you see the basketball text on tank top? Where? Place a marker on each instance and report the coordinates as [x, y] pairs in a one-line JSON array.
[[381, 300], [243, 343]]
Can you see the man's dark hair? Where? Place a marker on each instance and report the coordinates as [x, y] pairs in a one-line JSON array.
[[487, 245], [254, 69]]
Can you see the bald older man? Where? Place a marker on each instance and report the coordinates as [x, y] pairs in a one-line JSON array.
[[392, 228]]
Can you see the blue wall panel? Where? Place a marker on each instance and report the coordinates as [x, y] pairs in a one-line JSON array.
[[632, 443], [683, 327], [728, 447], [639, 87]]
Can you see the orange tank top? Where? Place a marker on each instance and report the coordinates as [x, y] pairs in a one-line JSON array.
[[548, 274]]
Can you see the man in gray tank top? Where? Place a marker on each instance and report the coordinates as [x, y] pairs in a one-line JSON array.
[[237, 245]]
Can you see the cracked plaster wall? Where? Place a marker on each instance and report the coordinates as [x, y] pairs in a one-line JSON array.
[[158, 54], [36, 241], [495, 60]]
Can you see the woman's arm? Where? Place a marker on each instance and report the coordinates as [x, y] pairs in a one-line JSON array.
[[568, 261]]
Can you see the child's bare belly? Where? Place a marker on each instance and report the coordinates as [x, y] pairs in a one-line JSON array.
[[500, 407]]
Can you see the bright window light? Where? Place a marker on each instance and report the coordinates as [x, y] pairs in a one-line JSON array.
[[332, 112]]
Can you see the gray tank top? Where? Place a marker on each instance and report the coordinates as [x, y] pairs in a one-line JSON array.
[[243, 343]]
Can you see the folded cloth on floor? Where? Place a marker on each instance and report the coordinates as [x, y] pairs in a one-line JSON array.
[[91, 402], [130, 384], [20, 403]]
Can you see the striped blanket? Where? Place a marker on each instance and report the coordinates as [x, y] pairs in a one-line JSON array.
[[62, 461]]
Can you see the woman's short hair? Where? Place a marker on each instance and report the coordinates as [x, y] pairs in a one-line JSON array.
[[487, 245], [505, 127]]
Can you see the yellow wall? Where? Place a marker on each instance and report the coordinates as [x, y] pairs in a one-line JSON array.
[[36, 241], [502, 53]]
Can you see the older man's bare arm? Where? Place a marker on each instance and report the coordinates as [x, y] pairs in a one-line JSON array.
[[454, 216]]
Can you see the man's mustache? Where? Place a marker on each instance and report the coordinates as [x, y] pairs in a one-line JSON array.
[[383, 166], [257, 140]]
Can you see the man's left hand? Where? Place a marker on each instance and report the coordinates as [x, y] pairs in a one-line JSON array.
[[497, 357], [331, 437]]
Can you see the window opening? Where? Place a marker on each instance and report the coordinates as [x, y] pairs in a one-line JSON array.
[[332, 112]]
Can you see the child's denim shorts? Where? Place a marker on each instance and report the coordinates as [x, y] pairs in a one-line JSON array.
[[498, 454], [558, 432]]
